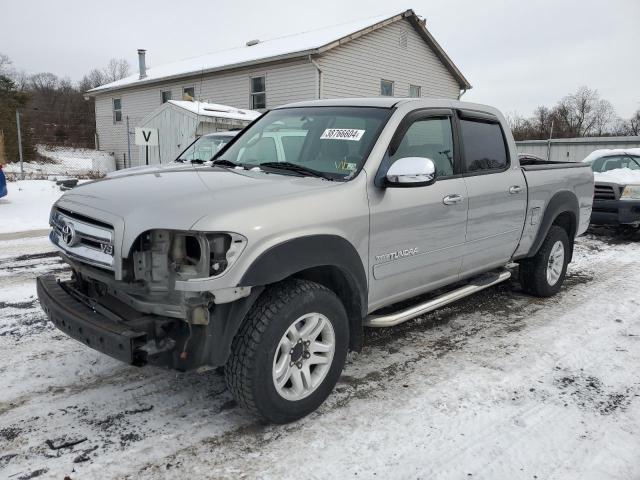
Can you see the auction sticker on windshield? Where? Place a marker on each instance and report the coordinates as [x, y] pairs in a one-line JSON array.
[[342, 134]]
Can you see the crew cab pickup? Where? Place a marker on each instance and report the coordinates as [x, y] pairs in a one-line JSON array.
[[270, 260]]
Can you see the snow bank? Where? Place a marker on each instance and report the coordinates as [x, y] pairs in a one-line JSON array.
[[66, 161], [622, 176], [27, 205], [611, 151]]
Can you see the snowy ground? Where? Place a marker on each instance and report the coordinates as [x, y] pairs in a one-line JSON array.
[[498, 386], [62, 161], [27, 205]]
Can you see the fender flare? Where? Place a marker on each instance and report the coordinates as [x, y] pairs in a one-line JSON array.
[[562, 202], [292, 256]]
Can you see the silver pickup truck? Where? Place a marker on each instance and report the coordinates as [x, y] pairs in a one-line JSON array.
[[308, 226]]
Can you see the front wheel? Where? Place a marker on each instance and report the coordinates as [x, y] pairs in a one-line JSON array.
[[289, 352], [543, 274]]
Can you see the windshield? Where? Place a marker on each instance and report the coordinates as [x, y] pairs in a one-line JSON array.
[[204, 148], [604, 164], [334, 141]]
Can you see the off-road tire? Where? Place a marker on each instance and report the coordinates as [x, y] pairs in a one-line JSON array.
[[533, 271], [248, 372]]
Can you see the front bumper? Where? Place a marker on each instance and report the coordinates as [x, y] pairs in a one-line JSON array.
[[106, 333], [615, 212]]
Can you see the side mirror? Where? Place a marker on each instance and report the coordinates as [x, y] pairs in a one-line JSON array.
[[411, 172]]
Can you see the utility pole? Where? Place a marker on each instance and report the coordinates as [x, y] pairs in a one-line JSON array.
[[128, 144], [20, 144]]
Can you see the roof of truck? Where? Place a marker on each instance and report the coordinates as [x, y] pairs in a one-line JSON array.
[[390, 102]]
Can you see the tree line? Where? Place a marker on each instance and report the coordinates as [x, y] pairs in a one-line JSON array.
[[53, 110], [583, 113]]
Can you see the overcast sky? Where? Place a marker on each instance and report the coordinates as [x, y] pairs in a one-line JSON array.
[[517, 54]]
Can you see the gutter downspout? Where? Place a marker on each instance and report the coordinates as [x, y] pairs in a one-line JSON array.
[[462, 92], [315, 64]]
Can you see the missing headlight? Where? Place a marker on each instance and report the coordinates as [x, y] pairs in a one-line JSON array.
[[224, 248]]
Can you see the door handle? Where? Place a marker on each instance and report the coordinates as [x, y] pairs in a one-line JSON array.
[[515, 189], [452, 199]]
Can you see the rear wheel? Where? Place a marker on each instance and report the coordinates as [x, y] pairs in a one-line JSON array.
[[290, 351], [543, 274]]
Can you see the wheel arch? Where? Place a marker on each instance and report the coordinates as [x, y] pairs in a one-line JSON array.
[[329, 260], [562, 210]]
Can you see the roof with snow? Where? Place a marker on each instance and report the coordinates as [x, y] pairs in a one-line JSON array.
[[215, 110], [282, 48]]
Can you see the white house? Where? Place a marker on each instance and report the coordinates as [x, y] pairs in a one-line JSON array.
[[383, 56]]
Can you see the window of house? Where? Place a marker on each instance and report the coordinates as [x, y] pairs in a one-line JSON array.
[[415, 91], [258, 93], [166, 96], [117, 110], [429, 138], [484, 147], [386, 88], [188, 93]]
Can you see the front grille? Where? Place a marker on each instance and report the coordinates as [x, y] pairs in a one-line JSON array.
[[604, 192], [83, 238]]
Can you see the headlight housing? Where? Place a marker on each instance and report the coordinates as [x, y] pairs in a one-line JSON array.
[[187, 254], [631, 192], [224, 250]]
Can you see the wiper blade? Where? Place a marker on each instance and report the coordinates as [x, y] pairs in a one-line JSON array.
[[294, 167], [223, 162]]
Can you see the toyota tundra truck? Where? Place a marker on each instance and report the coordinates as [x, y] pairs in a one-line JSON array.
[[316, 221]]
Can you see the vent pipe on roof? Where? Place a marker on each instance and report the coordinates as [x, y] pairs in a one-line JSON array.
[[142, 63], [251, 43]]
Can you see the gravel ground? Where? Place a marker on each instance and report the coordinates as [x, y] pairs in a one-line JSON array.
[[500, 385]]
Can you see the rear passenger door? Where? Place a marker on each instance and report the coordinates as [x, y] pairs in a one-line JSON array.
[[497, 193]]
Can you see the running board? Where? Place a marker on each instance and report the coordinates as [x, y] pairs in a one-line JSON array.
[[475, 285]]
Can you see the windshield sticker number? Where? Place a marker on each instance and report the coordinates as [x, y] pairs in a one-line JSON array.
[[346, 166], [342, 134]]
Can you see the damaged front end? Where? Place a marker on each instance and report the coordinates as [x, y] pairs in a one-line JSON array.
[[152, 313]]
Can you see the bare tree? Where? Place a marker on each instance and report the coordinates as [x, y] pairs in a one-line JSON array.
[[116, 69], [584, 113], [5, 65], [634, 124]]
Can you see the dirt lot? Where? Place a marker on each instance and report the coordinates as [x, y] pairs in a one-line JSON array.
[[500, 385]]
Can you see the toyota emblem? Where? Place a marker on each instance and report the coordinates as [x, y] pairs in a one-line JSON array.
[[68, 234]]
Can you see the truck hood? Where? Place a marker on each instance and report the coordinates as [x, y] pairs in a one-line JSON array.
[[176, 198]]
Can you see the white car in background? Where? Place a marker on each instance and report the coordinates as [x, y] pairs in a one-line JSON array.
[[617, 187]]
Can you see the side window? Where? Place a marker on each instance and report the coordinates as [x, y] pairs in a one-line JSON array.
[[188, 93], [429, 138], [165, 96], [484, 147], [258, 93], [117, 110], [386, 88]]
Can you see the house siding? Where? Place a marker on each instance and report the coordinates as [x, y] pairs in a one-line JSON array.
[[285, 83], [356, 68]]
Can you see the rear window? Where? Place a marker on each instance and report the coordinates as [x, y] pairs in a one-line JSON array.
[[484, 148]]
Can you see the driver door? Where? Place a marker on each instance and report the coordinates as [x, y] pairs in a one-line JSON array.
[[417, 234]]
